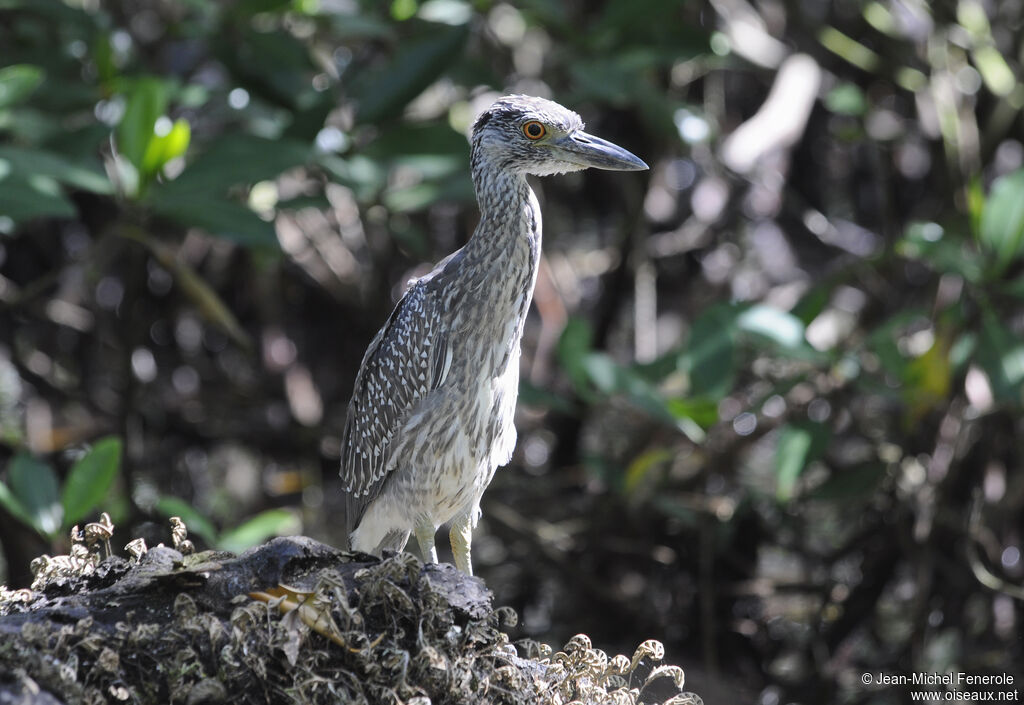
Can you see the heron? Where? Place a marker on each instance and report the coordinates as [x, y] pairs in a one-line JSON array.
[[432, 411]]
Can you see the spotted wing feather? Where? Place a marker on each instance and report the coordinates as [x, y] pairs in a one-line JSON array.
[[408, 359]]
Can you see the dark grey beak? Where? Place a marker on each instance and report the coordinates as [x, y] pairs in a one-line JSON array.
[[587, 150]]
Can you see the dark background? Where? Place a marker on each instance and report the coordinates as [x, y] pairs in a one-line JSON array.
[[772, 388]]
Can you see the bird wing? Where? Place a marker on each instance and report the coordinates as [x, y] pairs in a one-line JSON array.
[[409, 357]]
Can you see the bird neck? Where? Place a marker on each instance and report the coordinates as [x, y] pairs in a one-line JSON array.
[[509, 212]]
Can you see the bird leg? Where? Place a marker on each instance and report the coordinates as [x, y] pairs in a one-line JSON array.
[[461, 536], [425, 538]]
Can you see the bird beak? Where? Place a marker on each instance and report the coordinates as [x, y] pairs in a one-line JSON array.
[[589, 151]]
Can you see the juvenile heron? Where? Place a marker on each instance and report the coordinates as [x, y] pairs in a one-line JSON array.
[[431, 415]]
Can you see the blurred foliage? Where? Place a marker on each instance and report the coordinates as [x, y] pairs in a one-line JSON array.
[[772, 392], [32, 493]]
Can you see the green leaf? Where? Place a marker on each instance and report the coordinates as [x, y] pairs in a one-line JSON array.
[[942, 250], [273, 65], [238, 159], [776, 326], [927, 381], [90, 479], [641, 467], [609, 377], [37, 196], [163, 148], [34, 483], [273, 522], [541, 398], [218, 216], [364, 176], [195, 522], [703, 412], [799, 445], [710, 353], [14, 507], [812, 303], [1000, 354], [849, 483], [1002, 219], [846, 99], [146, 101], [417, 63], [402, 10], [18, 82], [883, 341], [245, 8], [457, 188], [402, 140], [573, 347], [87, 176], [103, 57]]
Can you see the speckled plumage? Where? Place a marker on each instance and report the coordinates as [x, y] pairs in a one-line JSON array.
[[432, 413]]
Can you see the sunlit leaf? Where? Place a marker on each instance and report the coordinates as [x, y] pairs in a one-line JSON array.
[[603, 372], [90, 479], [17, 82], [703, 412], [642, 465], [849, 49], [995, 72], [780, 327], [799, 444], [975, 202], [34, 484], [402, 10], [927, 381], [446, 11], [846, 99], [163, 148], [1002, 219], [273, 522]]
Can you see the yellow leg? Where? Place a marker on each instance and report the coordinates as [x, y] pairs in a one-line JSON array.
[[425, 538], [461, 535]]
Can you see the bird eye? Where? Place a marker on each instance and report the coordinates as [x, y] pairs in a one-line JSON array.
[[534, 130]]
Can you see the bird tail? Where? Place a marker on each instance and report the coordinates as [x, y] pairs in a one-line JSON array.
[[354, 509]]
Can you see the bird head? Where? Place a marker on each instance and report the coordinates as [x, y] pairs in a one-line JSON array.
[[537, 136]]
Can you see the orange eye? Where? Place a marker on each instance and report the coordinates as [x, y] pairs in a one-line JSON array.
[[534, 130]]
